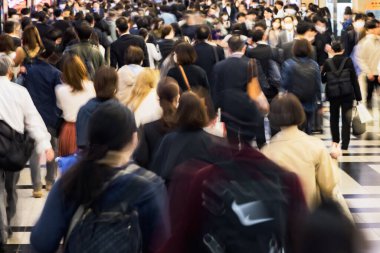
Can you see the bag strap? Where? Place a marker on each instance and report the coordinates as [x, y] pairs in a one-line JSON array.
[[331, 65], [184, 77], [341, 67], [129, 168]]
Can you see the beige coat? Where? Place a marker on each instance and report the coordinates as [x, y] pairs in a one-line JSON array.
[[309, 159]]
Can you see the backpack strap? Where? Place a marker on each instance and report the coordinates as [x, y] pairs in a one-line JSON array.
[[341, 67], [184, 77], [331, 65]]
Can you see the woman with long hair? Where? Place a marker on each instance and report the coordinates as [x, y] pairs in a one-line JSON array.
[[32, 46], [152, 133], [103, 181], [75, 91], [143, 100]]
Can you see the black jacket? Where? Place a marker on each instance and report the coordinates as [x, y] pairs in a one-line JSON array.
[[166, 46], [321, 40], [350, 40], [337, 60], [61, 25], [208, 56], [196, 76], [43, 29], [287, 49], [265, 52], [120, 47]]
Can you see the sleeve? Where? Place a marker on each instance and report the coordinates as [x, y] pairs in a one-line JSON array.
[[205, 79], [325, 69], [326, 178], [156, 54], [113, 56], [141, 154], [52, 225], [318, 81], [362, 56], [354, 80], [146, 56], [35, 125], [285, 81], [221, 53]]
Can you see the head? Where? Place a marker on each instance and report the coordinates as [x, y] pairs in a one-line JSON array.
[[25, 22], [84, 31], [241, 17], [106, 83], [42, 17], [111, 139], [134, 55], [373, 27], [236, 44], [306, 30], [337, 47], [203, 33], [31, 38], [302, 48], [192, 112], [6, 44], [144, 33], [320, 24], [168, 93], [288, 23], [276, 24], [279, 5], [5, 66], [146, 81], [74, 72], [268, 13], [257, 35], [327, 229], [122, 25], [359, 22], [184, 54], [9, 27], [57, 12], [167, 32]]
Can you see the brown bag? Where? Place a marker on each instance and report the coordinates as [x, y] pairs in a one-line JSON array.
[[254, 90], [185, 78]]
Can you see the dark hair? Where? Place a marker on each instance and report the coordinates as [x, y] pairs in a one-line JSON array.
[[286, 110], [203, 32], [84, 31], [257, 35], [291, 17], [57, 12], [166, 29], [279, 3], [260, 24], [302, 48], [89, 18], [25, 22], [360, 16], [337, 46], [235, 43], [9, 27], [105, 82], [25, 11], [240, 14], [6, 44], [371, 15], [168, 91], [134, 55], [11, 12], [122, 24], [304, 26], [49, 49], [348, 10], [267, 9], [69, 36], [328, 230], [191, 113], [42, 16], [372, 24], [318, 18], [143, 32], [186, 53], [111, 128]]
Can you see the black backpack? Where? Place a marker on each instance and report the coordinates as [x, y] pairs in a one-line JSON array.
[[15, 148], [338, 80], [114, 230], [269, 76], [303, 81], [243, 214]]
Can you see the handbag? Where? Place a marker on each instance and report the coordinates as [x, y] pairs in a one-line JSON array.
[[185, 78], [15, 148], [358, 128]]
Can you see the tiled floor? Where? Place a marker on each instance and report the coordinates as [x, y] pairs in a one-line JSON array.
[[360, 182]]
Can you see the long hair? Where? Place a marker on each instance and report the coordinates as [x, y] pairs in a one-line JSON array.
[[74, 72], [31, 38], [168, 92], [145, 82]]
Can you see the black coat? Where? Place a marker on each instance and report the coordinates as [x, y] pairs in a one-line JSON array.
[[120, 46], [196, 76], [166, 46], [61, 25], [208, 56]]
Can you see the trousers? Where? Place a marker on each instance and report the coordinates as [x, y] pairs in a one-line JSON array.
[[341, 108]]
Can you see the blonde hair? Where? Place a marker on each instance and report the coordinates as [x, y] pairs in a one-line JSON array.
[[145, 82]]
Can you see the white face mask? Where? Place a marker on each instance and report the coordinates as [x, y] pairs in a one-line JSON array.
[[359, 24], [320, 29], [289, 27], [225, 18], [290, 12]]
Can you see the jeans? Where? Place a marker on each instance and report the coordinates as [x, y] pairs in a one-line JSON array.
[[307, 126], [8, 201], [336, 106], [371, 85], [51, 167]]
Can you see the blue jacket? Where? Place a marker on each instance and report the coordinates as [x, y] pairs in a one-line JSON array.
[[83, 117], [151, 205], [40, 81]]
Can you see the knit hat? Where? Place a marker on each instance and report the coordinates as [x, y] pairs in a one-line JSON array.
[[112, 125]]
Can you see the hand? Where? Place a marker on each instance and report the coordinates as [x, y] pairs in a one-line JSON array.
[[328, 48], [378, 79], [49, 153], [371, 77]]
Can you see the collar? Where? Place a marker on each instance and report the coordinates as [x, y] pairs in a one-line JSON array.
[[236, 55], [126, 33], [4, 79], [262, 42], [288, 133]]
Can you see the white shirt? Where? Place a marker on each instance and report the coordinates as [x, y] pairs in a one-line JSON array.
[[149, 109], [70, 102], [18, 111], [154, 54]]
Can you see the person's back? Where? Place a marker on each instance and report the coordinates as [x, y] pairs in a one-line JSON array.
[[208, 56]]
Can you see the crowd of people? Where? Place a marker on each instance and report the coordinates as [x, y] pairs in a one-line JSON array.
[[163, 107]]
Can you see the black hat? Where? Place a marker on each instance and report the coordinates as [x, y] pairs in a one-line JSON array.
[[111, 125]]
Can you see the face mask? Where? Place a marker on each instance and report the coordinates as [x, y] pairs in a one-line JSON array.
[[288, 27], [290, 12], [225, 18], [320, 29], [358, 25], [304, 9]]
